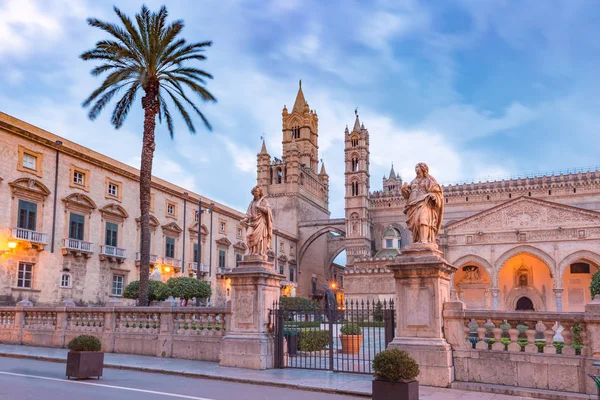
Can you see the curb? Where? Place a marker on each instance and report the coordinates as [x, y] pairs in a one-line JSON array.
[[201, 375]]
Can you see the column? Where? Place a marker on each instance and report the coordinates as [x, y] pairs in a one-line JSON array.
[[495, 299], [558, 293], [422, 287], [254, 289]]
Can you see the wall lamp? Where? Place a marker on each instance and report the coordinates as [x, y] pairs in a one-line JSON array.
[[11, 246]]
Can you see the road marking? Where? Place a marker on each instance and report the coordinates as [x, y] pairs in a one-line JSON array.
[[181, 396]]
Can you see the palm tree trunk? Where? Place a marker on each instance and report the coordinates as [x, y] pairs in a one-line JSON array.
[[150, 105]]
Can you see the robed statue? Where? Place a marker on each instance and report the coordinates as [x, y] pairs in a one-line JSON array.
[[259, 224], [425, 206]]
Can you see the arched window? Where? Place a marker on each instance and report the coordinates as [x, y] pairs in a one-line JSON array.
[[354, 188], [279, 175], [354, 164], [354, 141], [296, 132]]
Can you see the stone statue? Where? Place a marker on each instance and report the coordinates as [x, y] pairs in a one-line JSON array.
[[259, 224], [425, 207], [471, 273]]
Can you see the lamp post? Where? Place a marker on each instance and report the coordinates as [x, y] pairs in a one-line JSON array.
[[199, 258]]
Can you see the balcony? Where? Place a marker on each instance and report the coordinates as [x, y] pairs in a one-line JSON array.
[[112, 253], [78, 248], [33, 238], [154, 259], [222, 270], [172, 262], [204, 268]]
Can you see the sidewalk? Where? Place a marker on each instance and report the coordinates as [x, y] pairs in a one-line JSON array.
[[323, 381]]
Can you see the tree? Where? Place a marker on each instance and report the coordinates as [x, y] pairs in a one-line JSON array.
[[147, 55], [157, 291], [189, 288]]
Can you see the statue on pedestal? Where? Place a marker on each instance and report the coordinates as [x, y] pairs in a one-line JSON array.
[[259, 224], [425, 207]]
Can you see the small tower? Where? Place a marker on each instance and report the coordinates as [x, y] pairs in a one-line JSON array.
[[358, 225], [393, 183], [263, 168], [325, 180]]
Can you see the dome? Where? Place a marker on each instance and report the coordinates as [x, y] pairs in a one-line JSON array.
[[390, 231]]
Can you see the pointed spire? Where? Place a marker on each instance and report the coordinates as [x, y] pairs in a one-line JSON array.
[[356, 125], [392, 173], [263, 149], [346, 131], [300, 101], [323, 172]]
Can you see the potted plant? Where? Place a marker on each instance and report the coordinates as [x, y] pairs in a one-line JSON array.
[[395, 372], [85, 358], [351, 337], [291, 335]]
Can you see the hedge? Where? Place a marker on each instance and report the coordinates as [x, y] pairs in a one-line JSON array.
[[297, 304], [302, 324], [157, 291], [313, 340]]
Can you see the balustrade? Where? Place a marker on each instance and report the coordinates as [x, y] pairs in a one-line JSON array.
[[29, 236], [85, 321], [203, 323], [112, 251], [146, 322], [7, 319], [79, 245], [40, 320]]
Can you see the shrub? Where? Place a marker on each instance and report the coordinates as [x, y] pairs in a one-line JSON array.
[[595, 285], [291, 332], [395, 365], [85, 343], [374, 324], [302, 324], [378, 312], [313, 340], [187, 288], [351, 329], [298, 304], [157, 291]]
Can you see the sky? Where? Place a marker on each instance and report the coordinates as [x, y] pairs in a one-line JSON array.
[[477, 89]]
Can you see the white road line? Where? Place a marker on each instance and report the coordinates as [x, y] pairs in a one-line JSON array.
[[181, 396]]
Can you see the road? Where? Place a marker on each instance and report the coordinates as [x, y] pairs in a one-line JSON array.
[[22, 379]]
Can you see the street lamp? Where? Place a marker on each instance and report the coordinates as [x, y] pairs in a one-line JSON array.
[[199, 260]]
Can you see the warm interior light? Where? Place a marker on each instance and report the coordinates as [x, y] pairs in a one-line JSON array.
[[12, 245], [333, 285], [167, 269]]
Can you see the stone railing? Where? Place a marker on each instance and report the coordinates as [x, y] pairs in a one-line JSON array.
[[538, 350], [30, 236], [190, 332]]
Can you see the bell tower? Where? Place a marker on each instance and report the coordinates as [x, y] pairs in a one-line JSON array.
[[358, 225]]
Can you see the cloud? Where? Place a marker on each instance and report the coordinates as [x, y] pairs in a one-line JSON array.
[[243, 158]]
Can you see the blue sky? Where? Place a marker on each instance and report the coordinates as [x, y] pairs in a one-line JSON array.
[[476, 89]]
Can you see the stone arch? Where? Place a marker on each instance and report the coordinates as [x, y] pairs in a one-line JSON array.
[[532, 251], [314, 236], [585, 255], [531, 293], [480, 262]]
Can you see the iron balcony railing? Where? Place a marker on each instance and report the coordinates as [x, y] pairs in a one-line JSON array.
[[112, 251], [29, 236], [154, 259], [203, 267], [79, 245]]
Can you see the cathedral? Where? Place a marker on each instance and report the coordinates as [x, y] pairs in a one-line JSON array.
[[530, 243]]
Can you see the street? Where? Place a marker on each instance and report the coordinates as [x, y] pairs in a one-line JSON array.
[[23, 379]]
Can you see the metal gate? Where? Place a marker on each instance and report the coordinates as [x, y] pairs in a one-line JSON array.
[[318, 338]]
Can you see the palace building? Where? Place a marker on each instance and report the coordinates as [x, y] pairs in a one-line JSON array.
[[69, 225]]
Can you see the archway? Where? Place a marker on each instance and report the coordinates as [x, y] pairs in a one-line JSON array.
[[525, 304], [526, 275], [576, 275]]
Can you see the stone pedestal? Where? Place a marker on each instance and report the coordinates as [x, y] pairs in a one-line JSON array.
[[248, 342], [422, 286]]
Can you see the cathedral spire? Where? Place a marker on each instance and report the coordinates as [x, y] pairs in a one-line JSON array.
[[323, 172], [300, 101], [263, 149], [356, 123], [392, 173]]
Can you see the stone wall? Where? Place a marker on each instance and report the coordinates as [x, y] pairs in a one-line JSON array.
[[178, 332]]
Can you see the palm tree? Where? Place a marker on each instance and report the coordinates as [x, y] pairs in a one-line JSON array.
[[147, 55]]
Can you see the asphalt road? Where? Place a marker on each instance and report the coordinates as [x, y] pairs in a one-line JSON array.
[[22, 379]]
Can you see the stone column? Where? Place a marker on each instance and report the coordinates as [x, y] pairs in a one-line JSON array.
[[495, 299], [422, 287], [558, 293], [254, 288]]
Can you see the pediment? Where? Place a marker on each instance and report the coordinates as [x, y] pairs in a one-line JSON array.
[[79, 200], [172, 227], [31, 186], [194, 229], [283, 258], [223, 241], [241, 246], [525, 213], [114, 210], [153, 221]]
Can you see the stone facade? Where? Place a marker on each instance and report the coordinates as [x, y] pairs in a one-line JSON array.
[[79, 224]]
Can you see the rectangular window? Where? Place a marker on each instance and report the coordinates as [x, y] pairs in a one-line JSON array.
[[113, 190], [222, 254], [239, 232], [78, 178], [399, 243], [27, 215], [281, 247], [117, 285], [29, 161], [195, 252], [281, 269], [65, 281], [222, 227], [292, 277], [389, 243], [76, 226], [580, 268], [170, 247], [112, 232], [238, 258], [25, 275], [171, 209], [196, 218]]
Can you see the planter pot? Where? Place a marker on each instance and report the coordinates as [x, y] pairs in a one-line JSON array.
[[351, 344], [85, 364], [388, 390], [292, 345]]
